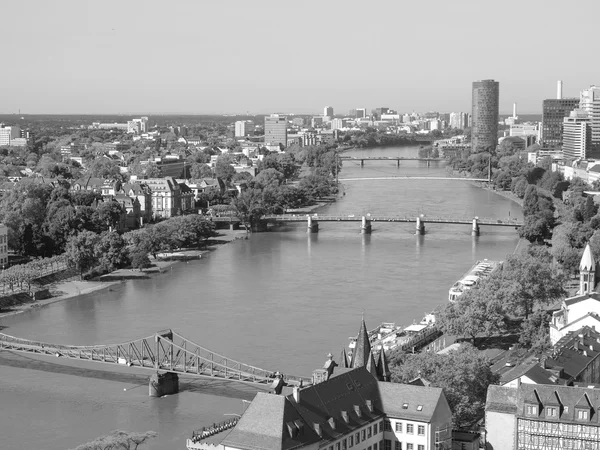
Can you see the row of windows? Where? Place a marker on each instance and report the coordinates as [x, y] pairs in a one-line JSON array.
[[358, 437], [547, 442], [559, 429], [398, 446], [410, 429], [551, 411]]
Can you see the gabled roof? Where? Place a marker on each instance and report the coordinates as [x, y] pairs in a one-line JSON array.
[[372, 365], [587, 260], [409, 402], [383, 369], [265, 426], [344, 359], [501, 399], [362, 349]]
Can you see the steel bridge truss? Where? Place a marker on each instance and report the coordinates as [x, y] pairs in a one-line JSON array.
[[164, 351]]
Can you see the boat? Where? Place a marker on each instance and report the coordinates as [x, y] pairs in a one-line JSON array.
[[473, 277]]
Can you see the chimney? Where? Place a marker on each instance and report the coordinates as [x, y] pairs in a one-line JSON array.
[[559, 89], [514, 110], [296, 394]]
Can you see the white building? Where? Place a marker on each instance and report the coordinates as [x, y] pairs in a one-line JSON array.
[[338, 124], [137, 126], [576, 135], [584, 308], [589, 101], [244, 128], [328, 113], [8, 134]]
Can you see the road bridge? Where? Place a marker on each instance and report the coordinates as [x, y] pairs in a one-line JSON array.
[[366, 221], [164, 351], [486, 180], [362, 159]]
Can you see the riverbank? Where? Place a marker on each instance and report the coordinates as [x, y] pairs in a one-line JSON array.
[[506, 194], [70, 289]]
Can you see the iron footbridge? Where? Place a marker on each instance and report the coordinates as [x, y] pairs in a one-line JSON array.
[[164, 351]]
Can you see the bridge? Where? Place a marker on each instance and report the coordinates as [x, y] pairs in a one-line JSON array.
[[366, 221], [486, 180], [362, 159], [164, 351]]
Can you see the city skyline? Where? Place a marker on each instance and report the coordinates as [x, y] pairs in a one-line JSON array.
[[77, 58]]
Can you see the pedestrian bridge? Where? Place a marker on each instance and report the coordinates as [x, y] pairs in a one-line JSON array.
[[164, 351]]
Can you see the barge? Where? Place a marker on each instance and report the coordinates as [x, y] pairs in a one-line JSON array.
[[473, 277]]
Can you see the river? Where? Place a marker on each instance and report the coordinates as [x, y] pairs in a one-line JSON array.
[[281, 300]]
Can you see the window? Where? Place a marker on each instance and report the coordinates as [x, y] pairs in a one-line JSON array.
[[351, 441], [420, 447], [375, 446], [369, 447], [551, 411], [344, 444], [399, 427], [368, 432], [410, 428], [388, 444], [582, 414], [363, 434], [421, 430], [357, 437], [337, 446], [531, 410], [410, 447], [405, 406], [381, 427], [388, 425], [398, 446]]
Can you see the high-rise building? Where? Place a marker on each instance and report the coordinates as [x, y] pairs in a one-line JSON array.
[[276, 130], [484, 129], [337, 124], [7, 134], [458, 120], [576, 135], [328, 112], [360, 113], [244, 128], [589, 101], [554, 111], [137, 125]]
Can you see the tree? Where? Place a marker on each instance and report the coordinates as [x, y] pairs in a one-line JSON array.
[[223, 168], [464, 374], [249, 207], [111, 252], [269, 177], [534, 333], [81, 251], [474, 313], [139, 259], [104, 168], [199, 171], [119, 440], [109, 213]]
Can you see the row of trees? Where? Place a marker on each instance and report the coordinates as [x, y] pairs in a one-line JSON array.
[[22, 276]]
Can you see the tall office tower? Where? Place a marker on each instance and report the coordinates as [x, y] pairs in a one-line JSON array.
[[8, 134], [244, 128], [576, 135], [328, 112], [361, 112], [554, 111], [484, 128], [276, 130], [589, 101]]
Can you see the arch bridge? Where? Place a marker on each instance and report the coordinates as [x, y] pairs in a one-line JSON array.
[[164, 351]]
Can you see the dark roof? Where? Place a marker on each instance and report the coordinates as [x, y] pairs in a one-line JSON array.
[[362, 349], [264, 426], [420, 401], [595, 168], [501, 399], [579, 298], [575, 352]]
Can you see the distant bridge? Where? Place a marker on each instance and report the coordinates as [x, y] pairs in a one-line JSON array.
[[163, 351], [362, 159], [486, 180]]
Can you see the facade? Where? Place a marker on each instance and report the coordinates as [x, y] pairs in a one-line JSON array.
[[3, 245], [166, 196], [351, 410], [276, 130], [530, 132], [589, 101], [485, 103], [244, 128], [554, 112], [458, 120], [337, 124], [8, 134], [577, 142], [328, 112], [542, 417], [582, 309], [360, 113]]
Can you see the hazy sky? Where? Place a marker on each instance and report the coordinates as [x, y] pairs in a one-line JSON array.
[[238, 56]]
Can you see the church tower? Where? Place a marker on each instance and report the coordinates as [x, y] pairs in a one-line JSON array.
[[362, 348], [587, 272]]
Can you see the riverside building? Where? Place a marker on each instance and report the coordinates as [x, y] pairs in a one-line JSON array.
[[484, 127], [576, 135], [554, 111], [589, 101]]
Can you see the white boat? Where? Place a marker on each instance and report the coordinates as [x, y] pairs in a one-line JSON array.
[[472, 278]]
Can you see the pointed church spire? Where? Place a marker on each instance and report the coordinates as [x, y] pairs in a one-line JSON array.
[[383, 370], [587, 260], [587, 272], [371, 366], [344, 359], [362, 349]]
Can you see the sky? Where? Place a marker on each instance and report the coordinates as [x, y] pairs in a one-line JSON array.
[[264, 56]]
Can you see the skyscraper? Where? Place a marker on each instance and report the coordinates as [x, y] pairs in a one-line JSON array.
[[328, 112], [589, 101], [576, 135], [244, 128], [276, 130], [554, 111], [484, 128]]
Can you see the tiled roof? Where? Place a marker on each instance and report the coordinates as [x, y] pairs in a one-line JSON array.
[[264, 426], [420, 401], [575, 351], [579, 298], [501, 399], [362, 349]]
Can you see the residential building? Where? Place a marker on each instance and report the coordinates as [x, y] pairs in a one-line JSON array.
[[244, 128], [337, 124], [542, 417], [143, 194], [166, 196], [484, 128], [3, 245], [138, 126], [316, 122], [589, 101], [529, 132], [554, 112], [458, 120], [328, 112], [577, 136], [584, 308], [276, 130], [9, 134]]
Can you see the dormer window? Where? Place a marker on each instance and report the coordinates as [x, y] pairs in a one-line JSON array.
[[531, 410], [583, 414], [551, 411]]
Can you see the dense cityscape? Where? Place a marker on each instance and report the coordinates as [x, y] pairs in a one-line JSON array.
[[200, 203]]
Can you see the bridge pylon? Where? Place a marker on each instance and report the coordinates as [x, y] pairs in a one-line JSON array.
[[312, 224], [475, 228], [420, 226], [365, 226]]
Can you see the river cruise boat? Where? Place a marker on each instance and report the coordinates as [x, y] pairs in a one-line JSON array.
[[472, 278]]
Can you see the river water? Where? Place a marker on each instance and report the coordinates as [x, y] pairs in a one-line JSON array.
[[280, 300]]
